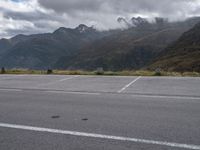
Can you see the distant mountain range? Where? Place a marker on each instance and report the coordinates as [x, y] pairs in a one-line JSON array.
[[140, 45], [139, 21], [42, 51]]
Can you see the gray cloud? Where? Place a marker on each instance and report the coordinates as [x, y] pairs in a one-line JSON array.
[[72, 5], [105, 12], [160, 7], [36, 16]]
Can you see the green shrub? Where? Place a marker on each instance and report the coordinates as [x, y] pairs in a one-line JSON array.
[[99, 71], [49, 71], [3, 70], [157, 74]]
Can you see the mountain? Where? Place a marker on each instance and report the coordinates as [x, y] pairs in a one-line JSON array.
[[84, 47], [41, 51], [124, 22], [134, 22], [139, 21], [133, 48], [183, 55]]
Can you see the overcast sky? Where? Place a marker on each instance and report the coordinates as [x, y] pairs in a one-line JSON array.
[[38, 16]]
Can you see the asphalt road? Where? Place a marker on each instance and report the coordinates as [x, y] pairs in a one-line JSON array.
[[96, 112]]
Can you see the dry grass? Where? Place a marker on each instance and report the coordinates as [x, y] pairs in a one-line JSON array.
[[105, 73]]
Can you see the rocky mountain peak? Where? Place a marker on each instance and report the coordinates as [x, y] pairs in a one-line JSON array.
[[83, 28], [160, 20], [133, 22], [62, 30], [138, 21], [123, 22]]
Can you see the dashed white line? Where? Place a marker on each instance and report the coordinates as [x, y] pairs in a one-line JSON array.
[[126, 86], [101, 136]]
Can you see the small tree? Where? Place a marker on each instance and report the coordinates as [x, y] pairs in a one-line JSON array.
[[3, 70], [49, 71], [99, 71], [158, 72]]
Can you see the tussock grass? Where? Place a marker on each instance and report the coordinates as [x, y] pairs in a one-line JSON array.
[[24, 71], [105, 73]]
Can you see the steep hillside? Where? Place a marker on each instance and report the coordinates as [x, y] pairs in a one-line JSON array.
[[129, 49], [86, 48], [183, 55]]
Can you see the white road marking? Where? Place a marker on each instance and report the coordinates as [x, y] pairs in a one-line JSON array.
[[126, 86], [95, 93], [170, 97], [49, 91], [68, 78], [101, 136], [78, 93], [58, 81]]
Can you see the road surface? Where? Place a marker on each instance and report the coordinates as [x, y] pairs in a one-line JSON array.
[[39, 112]]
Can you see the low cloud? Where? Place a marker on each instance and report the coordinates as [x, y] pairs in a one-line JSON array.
[[36, 16]]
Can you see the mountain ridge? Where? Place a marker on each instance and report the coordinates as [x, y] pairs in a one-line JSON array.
[[182, 55], [86, 48], [133, 48]]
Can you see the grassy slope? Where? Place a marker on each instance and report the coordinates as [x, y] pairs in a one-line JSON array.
[[183, 55], [125, 51]]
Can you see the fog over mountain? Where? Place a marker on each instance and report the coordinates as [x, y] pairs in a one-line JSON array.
[[88, 34], [41, 16], [84, 47]]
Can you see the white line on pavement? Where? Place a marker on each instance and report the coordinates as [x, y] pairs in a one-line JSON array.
[[68, 78], [51, 91], [78, 93], [126, 86], [163, 96], [58, 81], [101, 136]]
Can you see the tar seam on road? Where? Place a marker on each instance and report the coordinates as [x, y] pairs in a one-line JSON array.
[[78, 93], [58, 81], [13, 90], [101, 136], [169, 97], [126, 86]]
